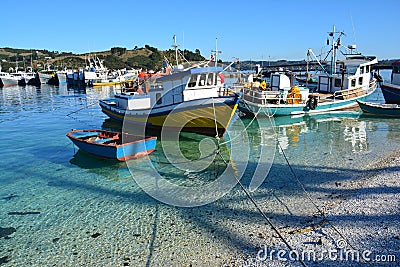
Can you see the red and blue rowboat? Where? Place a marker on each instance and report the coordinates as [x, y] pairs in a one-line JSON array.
[[111, 144]]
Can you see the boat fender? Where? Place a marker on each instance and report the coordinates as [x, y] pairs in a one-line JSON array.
[[378, 77], [312, 102]]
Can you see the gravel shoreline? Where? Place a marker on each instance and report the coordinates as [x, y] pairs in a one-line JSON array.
[[361, 225]]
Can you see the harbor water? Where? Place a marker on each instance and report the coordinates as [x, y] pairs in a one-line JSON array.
[[64, 207]]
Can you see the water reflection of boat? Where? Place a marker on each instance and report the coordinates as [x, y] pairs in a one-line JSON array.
[[289, 130]]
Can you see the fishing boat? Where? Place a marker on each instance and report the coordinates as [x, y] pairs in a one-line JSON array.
[[114, 145], [391, 91], [9, 80], [392, 110], [191, 99], [339, 85]]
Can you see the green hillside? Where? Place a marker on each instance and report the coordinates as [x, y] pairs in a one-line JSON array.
[[148, 58]]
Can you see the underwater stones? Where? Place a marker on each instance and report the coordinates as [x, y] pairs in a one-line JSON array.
[[95, 235], [23, 213], [4, 259], [9, 197], [5, 232]]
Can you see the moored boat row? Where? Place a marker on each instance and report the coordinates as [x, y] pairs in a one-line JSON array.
[[338, 86]]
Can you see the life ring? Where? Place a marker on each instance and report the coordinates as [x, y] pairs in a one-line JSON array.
[[312, 102]]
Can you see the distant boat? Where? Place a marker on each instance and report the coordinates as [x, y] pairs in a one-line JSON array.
[[114, 145], [391, 91], [61, 77], [44, 76], [392, 110], [338, 87], [30, 78], [8, 79]]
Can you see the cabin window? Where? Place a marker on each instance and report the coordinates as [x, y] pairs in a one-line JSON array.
[[367, 69], [203, 79], [396, 69], [362, 70], [158, 99], [338, 83], [211, 79], [353, 83], [360, 80], [192, 81]]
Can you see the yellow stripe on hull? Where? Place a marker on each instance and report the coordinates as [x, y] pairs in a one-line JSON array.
[[199, 117], [106, 84]]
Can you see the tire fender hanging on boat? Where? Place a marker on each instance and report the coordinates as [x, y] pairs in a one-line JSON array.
[[312, 102]]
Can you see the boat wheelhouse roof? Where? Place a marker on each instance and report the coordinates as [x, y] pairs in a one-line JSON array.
[[180, 74], [358, 60]]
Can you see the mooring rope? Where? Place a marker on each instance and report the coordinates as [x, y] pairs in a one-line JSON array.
[[309, 195], [262, 213]]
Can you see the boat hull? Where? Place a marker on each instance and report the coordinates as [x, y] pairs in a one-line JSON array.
[[44, 78], [197, 116], [299, 109], [132, 147], [391, 110], [391, 93], [9, 81]]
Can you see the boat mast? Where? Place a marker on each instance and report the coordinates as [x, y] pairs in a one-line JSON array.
[[216, 51], [333, 58], [176, 50]]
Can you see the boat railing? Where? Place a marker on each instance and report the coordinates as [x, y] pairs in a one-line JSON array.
[[261, 97], [355, 92]]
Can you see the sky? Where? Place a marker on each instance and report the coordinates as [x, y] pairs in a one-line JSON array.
[[248, 30]]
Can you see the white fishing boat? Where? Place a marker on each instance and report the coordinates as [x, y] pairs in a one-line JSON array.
[[340, 84], [8, 80], [189, 99]]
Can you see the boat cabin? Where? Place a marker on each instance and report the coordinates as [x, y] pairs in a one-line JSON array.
[[349, 74], [184, 85]]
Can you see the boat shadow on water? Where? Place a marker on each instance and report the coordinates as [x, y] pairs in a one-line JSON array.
[[110, 168]]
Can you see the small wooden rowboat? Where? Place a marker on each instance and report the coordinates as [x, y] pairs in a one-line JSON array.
[[392, 110], [111, 144]]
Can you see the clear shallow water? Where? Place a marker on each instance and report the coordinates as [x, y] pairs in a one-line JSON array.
[[71, 208]]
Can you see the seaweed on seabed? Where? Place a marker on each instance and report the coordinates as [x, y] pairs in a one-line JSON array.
[[4, 232], [4, 259]]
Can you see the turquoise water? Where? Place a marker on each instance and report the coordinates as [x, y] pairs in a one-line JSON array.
[[63, 207]]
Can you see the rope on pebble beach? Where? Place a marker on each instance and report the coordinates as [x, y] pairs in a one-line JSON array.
[[309, 195], [262, 213]]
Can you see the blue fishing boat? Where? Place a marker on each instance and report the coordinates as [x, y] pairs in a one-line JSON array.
[[339, 84], [391, 91], [391, 110], [115, 145]]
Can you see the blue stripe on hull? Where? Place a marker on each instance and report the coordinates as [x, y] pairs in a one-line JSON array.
[[286, 109], [136, 149]]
